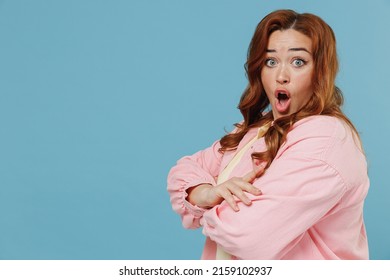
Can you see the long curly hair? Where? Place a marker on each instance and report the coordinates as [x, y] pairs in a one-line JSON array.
[[327, 98]]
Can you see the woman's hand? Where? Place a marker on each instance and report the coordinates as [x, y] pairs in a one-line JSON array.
[[207, 196]]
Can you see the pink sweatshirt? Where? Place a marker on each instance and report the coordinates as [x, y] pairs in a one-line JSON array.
[[311, 205]]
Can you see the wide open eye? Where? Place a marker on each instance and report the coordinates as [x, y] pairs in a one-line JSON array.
[[270, 62], [298, 62]]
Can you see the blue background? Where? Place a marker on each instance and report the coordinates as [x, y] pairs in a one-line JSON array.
[[98, 99]]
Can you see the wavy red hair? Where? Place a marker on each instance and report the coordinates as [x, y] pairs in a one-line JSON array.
[[327, 99]]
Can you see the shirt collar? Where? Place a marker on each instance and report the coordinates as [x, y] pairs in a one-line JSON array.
[[263, 130]]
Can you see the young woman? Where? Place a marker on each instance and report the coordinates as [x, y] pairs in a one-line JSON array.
[[290, 181]]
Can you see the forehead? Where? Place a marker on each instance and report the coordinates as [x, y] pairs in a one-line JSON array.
[[289, 39]]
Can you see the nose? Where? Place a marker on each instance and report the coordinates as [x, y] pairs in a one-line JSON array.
[[283, 77]]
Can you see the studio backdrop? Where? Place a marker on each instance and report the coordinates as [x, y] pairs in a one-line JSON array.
[[98, 99]]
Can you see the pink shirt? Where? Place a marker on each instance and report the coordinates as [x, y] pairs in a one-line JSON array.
[[312, 201]]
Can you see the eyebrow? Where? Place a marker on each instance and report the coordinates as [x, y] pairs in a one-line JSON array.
[[291, 49]]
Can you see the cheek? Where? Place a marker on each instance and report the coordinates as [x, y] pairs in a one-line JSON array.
[[266, 80], [305, 83], [304, 88]]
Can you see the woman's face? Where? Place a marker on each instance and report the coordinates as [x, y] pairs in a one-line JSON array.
[[288, 71]]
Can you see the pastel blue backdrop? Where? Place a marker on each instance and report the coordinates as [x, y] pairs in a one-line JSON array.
[[98, 99]]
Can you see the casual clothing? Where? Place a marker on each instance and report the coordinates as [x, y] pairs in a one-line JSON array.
[[311, 205], [225, 175]]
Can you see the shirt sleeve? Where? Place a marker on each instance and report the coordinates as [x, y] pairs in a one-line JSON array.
[[298, 190], [199, 168]]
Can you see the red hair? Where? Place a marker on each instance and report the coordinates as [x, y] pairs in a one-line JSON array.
[[326, 99]]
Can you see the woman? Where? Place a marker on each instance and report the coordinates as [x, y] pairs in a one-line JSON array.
[[304, 155]]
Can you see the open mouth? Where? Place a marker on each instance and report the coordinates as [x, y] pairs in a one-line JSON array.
[[282, 96], [283, 103]]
